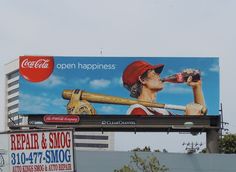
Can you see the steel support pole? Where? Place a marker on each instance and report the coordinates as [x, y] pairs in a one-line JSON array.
[[212, 138]]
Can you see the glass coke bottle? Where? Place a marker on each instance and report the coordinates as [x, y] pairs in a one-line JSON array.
[[183, 76]]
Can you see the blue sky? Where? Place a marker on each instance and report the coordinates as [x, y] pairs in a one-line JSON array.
[[46, 95]]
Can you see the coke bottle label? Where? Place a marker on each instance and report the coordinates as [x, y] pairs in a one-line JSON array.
[[179, 77]]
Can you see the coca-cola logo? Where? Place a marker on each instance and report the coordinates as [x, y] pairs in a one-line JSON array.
[[40, 63], [61, 119], [36, 68]]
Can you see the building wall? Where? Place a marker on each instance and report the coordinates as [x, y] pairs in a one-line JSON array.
[[12, 94], [175, 162], [83, 140], [94, 141]]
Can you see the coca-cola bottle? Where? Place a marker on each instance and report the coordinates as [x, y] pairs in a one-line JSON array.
[[183, 76]]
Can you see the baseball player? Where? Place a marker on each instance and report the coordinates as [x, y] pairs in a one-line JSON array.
[[143, 81]]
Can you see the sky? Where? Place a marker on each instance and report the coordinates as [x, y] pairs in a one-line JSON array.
[[153, 28]]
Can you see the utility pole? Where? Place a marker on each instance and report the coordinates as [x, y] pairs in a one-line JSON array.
[[223, 124], [213, 135]]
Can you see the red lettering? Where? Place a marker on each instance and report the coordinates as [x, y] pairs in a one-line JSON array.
[[59, 140], [68, 140], [19, 142], [65, 167], [24, 141], [17, 169], [13, 144], [27, 143], [63, 140], [53, 167], [51, 140], [36, 143]]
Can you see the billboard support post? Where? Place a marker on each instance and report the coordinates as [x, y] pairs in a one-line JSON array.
[[212, 138]]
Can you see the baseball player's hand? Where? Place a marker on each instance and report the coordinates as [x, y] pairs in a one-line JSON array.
[[190, 79], [193, 84], [193, 109]]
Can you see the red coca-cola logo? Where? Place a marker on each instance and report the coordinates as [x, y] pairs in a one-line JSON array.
[[179, 77], [36, 68], [61, 119]]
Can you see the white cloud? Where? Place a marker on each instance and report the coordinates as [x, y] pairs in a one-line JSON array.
[[33, 104], [99, 83], [203, 73], [214, 68], [85, 80], [177, 89], [82, 81], [39, 104], [58, 102], [171, 72], [53, 81], [117, 81], [104, 83]]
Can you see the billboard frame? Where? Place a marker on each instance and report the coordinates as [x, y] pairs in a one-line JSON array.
[[125, 123], [211, 125]]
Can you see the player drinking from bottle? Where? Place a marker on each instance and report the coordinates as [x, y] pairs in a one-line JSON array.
[[143, 81]]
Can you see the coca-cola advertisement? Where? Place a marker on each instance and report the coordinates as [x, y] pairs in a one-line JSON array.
[[98, 85]]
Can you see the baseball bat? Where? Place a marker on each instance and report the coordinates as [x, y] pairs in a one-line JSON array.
[[101, 98]]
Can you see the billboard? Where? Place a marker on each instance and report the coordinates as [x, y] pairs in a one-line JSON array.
[[119, 85]]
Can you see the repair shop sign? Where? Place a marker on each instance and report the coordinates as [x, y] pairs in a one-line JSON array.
[[41, 151]]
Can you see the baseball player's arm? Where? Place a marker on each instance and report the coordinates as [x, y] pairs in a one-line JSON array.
[[197, 91], [198, 95], [199, 101]]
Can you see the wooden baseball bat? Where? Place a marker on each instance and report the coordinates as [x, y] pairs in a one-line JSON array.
[[101, 98]]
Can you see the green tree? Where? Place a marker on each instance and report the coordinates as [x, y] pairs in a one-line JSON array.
[[228, 144], [125, 169], [138, 164], [145, 149], [148, 149]]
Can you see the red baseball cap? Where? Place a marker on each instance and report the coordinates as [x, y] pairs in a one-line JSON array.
[[137, 68]]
